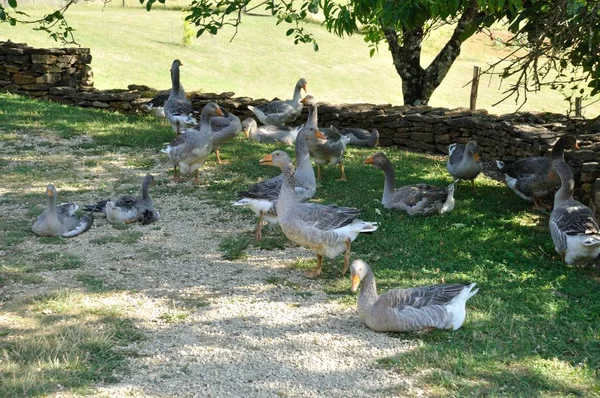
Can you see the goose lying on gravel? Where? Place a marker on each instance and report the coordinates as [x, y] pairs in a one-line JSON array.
[[281, 112], [190, 150], [325, 151], [463, 162], [129, 209], [422, 199], [532, 178], [573, 227], [419, 309], [225, 128], [178, 109], [60, 220], [261, 198], [360, 137], [324, 229], [269, 133]]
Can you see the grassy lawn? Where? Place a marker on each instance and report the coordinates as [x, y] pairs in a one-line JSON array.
[[131, 45], [532, 330]]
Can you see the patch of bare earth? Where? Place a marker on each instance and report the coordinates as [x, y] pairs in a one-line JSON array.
[[216, 328]]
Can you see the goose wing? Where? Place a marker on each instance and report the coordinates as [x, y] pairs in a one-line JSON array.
[[327, 217], [420, 297], [267, 189]]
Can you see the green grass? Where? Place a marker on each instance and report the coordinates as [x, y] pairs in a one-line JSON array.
[[233, 247], [520, 338], [262, 62], [70, 343]]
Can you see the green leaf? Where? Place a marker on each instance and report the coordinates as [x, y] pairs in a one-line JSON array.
[[315, 46], [12, 3], [372, 52], [289, 32]]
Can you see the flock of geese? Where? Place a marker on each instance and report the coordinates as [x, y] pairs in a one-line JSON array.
[[329, 230]]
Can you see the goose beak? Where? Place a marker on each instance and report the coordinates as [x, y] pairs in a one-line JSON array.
[[49, 192], [369, 160], [476, 157], [304, 101], [304, 87], [576, 145], [355, 282], [246, 134], [267, 160], [320, 135], [219, 112]]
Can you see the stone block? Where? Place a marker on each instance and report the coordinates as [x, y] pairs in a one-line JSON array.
[[48, 78], [590, 167], [21, 78], [47, 59]]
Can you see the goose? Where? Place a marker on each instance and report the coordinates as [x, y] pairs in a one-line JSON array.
[[129, 209], [418, 309], [532, 178], [326, 230], [361, 137], [188, 151], [463, 162], [178, 109], [60, 220], [281, 112], [270, 133], [573, 227], [422, 199], [225, 128], [325, 151], [261, 198]]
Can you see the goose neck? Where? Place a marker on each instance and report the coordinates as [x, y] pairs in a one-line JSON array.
[[368, 292], [145, 193], [390, 180], [567, 183], [313, 117]]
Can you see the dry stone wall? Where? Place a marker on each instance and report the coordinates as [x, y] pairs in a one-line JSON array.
[[64, 75]]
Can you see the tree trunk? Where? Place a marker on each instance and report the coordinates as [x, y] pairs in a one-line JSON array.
[[418, 83]]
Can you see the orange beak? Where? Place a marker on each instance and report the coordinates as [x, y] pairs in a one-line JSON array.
[[49, 192], [304, 87], [219, 112], [576, 146], [369, 160], [304, 101], [320, 135], [246, 133], [476, 157], [355, 282], [267, 160]]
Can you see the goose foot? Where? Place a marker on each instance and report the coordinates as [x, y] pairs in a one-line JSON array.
[[258, 229], [176, 177], [196, 178], [318, 269], [426, 330], [343, 177], [346, 257], [219, 161], [319, 172]]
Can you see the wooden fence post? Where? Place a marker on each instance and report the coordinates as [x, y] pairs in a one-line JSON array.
[[474, 86], [578, 106]]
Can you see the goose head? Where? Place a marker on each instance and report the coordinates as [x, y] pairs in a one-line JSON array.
[[302, 84], [564, 142], [309, 100], [473, 149], [378, 160], [249, 126], [358, 270], [277, 158], [51, 190], [212, 109], [176, 64]]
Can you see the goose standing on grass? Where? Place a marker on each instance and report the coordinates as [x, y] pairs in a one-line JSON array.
[[419, 309], [325, 151], [225, 128], [281, 112], [178, 109], [422, 199], [463, 162], [270, 133], [188, 151], [324, 229], [361, 137], [533, 178], [128, 208], [60, 220], [573, 227], [261, 198]]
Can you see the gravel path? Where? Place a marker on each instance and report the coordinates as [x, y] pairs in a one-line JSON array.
[[249, 328]]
